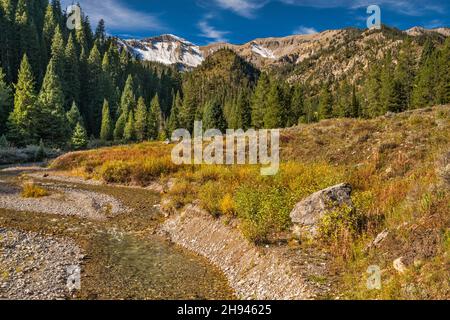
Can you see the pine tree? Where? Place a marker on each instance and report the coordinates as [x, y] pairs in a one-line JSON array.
[[343, 107], [259, 101], [325, 103], [27, 37], [120, 126], [100, 35], [107, 82], [52, 125], [48, 32], [405, 73], [74, 116], [174, 121], [11, 46], [141, 120], [79, 139], [373, 106], [274, 116], [240, 117], [424, 93], [128, 100], [106, 133], [71, 79], [297, 106], [57, 51], [129, 133], [444, 74], [154, 119], [189, 108], [5, 102], [213, 117], [96, 93], [356, 107], [20, 123]]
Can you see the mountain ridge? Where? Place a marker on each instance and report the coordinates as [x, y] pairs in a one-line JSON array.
[[170, 49]]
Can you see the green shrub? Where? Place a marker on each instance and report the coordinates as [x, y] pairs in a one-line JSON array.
[[181, 194], [116, 172], [263, 211], [151, 169], [210, 196]]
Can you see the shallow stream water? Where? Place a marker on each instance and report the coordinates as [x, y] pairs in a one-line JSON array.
[[125, 257]]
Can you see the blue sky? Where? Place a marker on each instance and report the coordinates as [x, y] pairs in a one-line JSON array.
[[239, 21]]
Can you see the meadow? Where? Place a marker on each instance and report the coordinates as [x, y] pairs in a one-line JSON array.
[[398, 166]]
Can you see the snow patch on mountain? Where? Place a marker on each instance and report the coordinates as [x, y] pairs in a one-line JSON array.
[[167, 49], [263, 52]]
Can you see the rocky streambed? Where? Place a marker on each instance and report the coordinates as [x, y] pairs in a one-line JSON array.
[[108, 233]]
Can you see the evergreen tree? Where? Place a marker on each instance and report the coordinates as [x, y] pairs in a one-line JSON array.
[[424, 93], [48, 32], [96, 93], [79, 139], [259, 101], [297, 106], [344, 106], [129, 133], [154, 119], [373, 106], [57, 51], [174, 121], [189, 108], [405, 74], [443, 90], [100, 35], [51, 125], [240, 117], [128, 100], [74, 116], [5, 102], [356, 107], [213, 117], [274, 116], [27, 37], [21, 130], [141, 120], [71, 79], [120, 126], [106, 132], [325, 103]]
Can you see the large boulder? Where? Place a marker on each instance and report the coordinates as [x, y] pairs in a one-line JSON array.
[[308, 213]]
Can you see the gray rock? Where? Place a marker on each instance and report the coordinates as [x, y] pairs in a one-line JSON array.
[[308, 213], [379, 239]]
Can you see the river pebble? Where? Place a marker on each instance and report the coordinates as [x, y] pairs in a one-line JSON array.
[[35, 267]]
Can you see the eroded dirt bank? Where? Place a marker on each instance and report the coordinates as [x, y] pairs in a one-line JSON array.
[[277, 273]]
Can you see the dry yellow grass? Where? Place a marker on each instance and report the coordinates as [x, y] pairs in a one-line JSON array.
[[30, 190], [393, 163]]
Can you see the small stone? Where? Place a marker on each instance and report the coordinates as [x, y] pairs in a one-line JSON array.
[[399, 265]]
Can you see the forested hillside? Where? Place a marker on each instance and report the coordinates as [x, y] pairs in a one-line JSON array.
[[62, 85], [66, 87]]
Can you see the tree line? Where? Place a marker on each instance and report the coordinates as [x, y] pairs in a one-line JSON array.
[[63, 86]]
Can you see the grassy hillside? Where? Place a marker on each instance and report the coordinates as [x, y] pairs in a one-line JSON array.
[[398, 166]]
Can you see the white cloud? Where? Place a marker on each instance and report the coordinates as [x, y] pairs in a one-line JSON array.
[[245, 8], [118, 16], [211, 32], [304, 30]]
